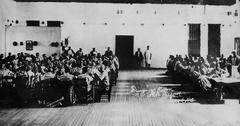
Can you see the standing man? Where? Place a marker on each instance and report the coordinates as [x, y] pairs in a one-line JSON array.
[[108, 52], [147, 57], [229, 65], [235, 64], [235, 58], [139, 57]]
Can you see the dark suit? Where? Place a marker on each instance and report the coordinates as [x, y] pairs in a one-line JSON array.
[[229, 65], [108, 53], [235, 60], [235, 66], [139, 57]]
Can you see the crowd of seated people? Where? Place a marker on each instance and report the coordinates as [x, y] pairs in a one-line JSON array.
[[200, 71], [29, 71]]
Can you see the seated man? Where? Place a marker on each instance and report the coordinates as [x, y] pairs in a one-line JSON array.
[[1, 74], [86, 75], [62, 75], [8, 75], [47, 73], [113, 74], [6, 71], [170, 64], [62, 83], [93, 52], [80, 52], [30, 76], [102, 76]]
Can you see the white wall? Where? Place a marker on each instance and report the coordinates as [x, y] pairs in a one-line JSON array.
[[1, 31], [43, 35], [170, 38], [7, 9]]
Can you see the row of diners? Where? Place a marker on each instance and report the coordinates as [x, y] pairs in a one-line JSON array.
[[214, 77], [57, 80]]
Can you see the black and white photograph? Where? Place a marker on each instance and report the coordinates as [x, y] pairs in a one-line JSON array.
[[119, 62]]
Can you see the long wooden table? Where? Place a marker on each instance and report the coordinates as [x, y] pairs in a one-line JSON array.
[[229, 83]]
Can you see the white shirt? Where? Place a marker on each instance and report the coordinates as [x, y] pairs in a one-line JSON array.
[[148, 56]]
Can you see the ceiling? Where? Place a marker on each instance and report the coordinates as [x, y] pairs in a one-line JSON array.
[[207, 2]]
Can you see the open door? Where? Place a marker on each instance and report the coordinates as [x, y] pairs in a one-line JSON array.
[[124, 51], [214, 40]]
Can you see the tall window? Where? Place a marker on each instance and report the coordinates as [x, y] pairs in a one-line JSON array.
[[194, 39]]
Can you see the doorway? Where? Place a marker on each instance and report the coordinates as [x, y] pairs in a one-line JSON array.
[[214, 40], [124, 51], [237, 45]]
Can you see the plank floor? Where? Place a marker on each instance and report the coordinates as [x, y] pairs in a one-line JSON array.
[[129, 110]]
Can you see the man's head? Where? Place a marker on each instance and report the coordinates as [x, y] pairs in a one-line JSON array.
[[37, 54], [138, 49], [80, 49], [93, 49], [108, 48], [148, 47], [234, 53], [110, 57]]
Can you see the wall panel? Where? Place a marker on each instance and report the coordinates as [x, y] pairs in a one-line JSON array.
[[44, 36]]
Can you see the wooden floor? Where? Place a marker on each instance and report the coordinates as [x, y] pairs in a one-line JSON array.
[[126, 109]]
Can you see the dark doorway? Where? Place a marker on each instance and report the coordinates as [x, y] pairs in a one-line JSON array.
[[214, 34], [124, 51], [194, 39]]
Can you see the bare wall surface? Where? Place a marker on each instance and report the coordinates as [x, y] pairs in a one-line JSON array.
[[7, 9], [43, 35]]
